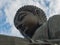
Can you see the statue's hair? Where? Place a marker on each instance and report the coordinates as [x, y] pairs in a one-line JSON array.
[[34, 10]]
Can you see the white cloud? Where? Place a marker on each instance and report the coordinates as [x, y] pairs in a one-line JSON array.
[[54, 7]]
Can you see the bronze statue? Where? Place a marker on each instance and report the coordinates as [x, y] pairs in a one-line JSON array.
[[28, 18], [31, 21]]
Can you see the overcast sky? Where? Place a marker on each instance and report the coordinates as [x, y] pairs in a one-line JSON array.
[[8, 10]]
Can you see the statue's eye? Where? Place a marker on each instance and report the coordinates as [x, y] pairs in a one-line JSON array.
[[20, 18]]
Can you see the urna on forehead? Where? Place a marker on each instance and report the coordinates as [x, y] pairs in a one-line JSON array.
[[29, 15]]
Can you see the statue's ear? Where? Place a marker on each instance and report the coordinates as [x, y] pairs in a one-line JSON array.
[[41, 33]]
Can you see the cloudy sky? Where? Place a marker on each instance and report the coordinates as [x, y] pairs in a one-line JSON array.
[[8, 10]]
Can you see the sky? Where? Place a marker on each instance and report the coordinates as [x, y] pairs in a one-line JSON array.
[[9, 8]]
